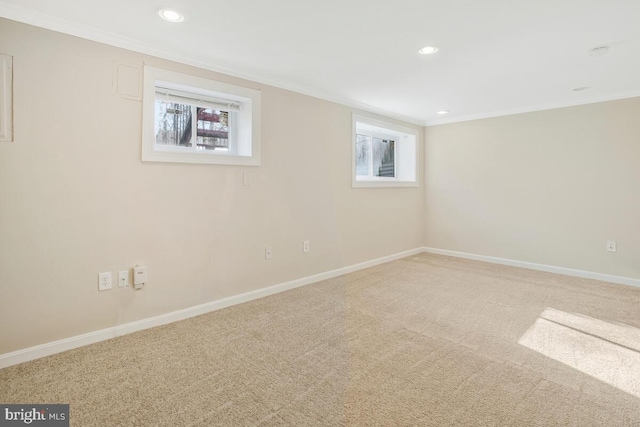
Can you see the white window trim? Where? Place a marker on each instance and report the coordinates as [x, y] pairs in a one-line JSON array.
[[387, 130], [249, 98], [6, 98]]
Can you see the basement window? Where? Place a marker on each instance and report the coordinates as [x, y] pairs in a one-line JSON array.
[[189, 119], [384, 154]]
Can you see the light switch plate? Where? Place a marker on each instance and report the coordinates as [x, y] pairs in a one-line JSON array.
[[123, 279]]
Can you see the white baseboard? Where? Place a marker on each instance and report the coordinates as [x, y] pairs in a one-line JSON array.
[[38, 351], [541, 267]]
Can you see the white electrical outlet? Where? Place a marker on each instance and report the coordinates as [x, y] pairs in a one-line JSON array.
[[611, 246], [123, 279], [104, 281], [305, 246], [267, 253]]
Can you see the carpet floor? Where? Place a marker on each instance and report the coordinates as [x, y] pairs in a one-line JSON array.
[[423, 341]]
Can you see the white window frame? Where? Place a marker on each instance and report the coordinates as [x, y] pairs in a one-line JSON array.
[[244, 126], [6, 98], [406, 153]]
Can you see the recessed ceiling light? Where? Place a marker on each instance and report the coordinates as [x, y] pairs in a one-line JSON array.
[[428, 50], [580, 89], [599, 51], [442, 112], [171, 15]]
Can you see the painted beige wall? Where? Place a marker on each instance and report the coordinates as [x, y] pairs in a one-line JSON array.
[[548, 187], [75, 199]]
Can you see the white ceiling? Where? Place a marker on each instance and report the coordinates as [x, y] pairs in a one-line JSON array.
[[496, 56]]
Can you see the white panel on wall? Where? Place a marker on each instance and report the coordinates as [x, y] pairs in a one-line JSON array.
[[127, 81], [6, 97]]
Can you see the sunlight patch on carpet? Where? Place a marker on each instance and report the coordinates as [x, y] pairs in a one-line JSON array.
[[606, 351]]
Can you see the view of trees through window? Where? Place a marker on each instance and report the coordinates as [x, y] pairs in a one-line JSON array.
[[375, 156], [174, 126]]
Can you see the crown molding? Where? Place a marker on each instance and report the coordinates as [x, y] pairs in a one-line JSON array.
[[531, 109], [30, 17]]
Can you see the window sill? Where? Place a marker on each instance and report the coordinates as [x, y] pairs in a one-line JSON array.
[[171, 156], [384, 184]]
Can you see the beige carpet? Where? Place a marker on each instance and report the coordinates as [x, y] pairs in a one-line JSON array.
[[426, 340]]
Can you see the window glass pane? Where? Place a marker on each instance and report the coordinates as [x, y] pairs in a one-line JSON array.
[[173, 124], [384, 157], [212, 129], [363, 155]]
